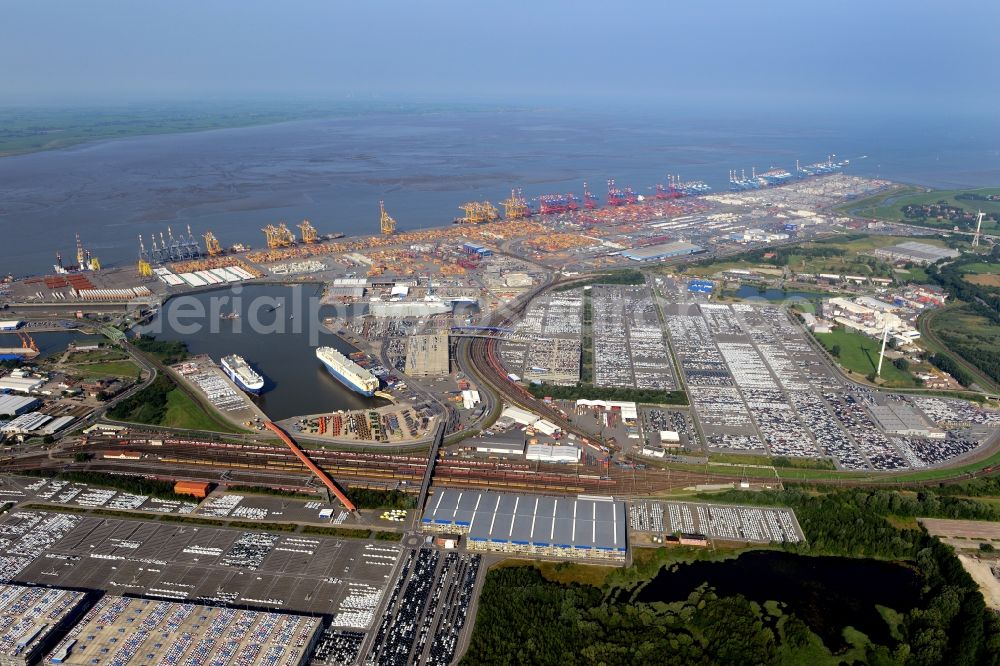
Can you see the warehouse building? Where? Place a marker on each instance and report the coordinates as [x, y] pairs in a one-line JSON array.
[[25, 423], [31, 619], [899, 418], [427, 355], [662, 251], [15, 405], [553, 453], [509, 444], [11, 325], [918, 253], [583, 526], [127, 632], [21, 384]]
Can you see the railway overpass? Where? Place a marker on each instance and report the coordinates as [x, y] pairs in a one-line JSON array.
[[320, 474]]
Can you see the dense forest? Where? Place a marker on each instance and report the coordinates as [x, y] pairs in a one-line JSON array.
[[146, 406], [526, 619], [365, 498], [169, 352], [577, 391]]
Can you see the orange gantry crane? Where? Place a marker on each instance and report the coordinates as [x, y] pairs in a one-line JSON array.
[[320, 474]]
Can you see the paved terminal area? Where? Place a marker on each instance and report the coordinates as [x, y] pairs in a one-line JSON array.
[[126, 632], [31, 618], [752, 524], [55, 491], [757, 384], [427, 609], [182, 562]]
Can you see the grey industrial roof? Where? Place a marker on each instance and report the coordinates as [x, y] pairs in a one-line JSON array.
[[661, 250], [569, 522], [922, 251]]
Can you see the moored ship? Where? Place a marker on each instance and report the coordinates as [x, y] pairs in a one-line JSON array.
[[347, 372], [242, 374]]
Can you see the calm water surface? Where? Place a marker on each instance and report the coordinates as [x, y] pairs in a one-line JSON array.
[[424, 164], [828, 593], [285, 353]]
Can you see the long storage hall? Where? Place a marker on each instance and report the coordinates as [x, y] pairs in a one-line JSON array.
[[585, 526]]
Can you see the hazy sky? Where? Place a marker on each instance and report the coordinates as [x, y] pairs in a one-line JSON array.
[[733, 52]]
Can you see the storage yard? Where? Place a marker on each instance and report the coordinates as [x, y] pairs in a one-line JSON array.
[[123, 630], [758, 385], [205, 377], [725, 522], [629, 347], [181, 562], [427, 609], [389, 424], [32, 618], [548, 342]]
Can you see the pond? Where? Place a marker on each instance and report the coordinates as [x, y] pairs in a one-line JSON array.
[[827, 593]]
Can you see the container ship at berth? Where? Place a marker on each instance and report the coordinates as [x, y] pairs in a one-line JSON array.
[[240, 372], [347, 372]]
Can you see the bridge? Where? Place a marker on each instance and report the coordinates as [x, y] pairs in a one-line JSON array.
[[425, 485], [320, 474]]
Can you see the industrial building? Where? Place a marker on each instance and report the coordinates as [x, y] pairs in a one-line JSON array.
[[427, 355], [899, 418], [699, 286], [31, 619], [583, 526], [15, 405], [11, 325], [553, 453], [125, 631], [21, 384], [662, 251], [629, 410], [916, 252], [424, 308], [25, 423], [507, 444]]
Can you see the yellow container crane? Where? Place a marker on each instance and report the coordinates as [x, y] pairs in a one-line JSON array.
[[387, 224]]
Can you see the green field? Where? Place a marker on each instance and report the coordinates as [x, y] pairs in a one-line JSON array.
[[840, 255], [183, 412], [859, 353], [888, 205], [92, 371]]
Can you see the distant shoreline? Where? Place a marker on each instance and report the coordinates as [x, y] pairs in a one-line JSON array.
[[29, 142], [29, 130]]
